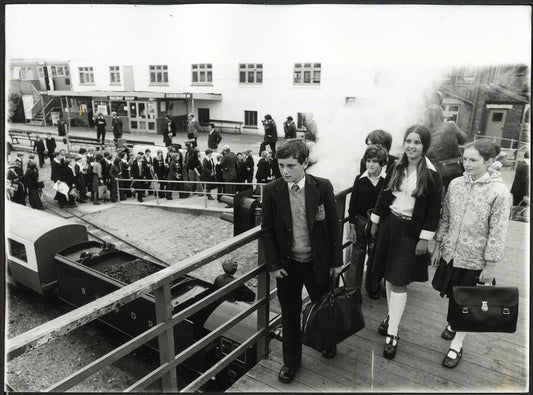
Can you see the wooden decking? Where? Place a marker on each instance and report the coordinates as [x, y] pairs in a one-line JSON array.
[[491, 362]]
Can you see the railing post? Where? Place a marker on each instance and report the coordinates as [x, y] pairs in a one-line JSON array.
[[204, 187], [118, 189], [263, 291], [163, 312]]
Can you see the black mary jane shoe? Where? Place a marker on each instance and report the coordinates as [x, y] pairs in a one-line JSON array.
[[451, 363], [330, 353], [447, 334], [389, 351], [286, 374], [383, 328]]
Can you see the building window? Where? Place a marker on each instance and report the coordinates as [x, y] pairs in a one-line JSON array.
[[250, 118], [307, 73], [41, 71], [101, 106], [114, 75], [451, 112], [26, 73], [300, 123], [54, 71], [469, 75], [120, 107], [251, 73], [202, 74], [60, 71], [86, 75], [17, 250], [159, 74]]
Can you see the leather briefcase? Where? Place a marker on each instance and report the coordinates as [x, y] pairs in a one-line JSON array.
[[483, 309], [333, 318]]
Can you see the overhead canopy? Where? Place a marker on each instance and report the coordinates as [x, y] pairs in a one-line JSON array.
[[132, 95]]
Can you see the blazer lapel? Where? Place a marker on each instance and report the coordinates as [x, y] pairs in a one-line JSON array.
[[281, 196], [312, 198]]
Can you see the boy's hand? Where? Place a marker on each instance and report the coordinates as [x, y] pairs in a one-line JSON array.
[[281, 273], [421, 247], [335, 271], [352, 236]]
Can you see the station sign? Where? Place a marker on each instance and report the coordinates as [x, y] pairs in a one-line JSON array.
[[175, 95], [122, 98]]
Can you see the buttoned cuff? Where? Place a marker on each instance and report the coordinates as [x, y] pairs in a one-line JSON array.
[[374, 218], [427, 235]]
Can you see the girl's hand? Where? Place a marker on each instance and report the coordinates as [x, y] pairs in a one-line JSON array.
[[352, 235], [435, 256], [486, 276], [421, 247], [373, 230]]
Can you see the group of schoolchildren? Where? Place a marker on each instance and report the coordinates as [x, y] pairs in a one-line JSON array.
[[399, 205]]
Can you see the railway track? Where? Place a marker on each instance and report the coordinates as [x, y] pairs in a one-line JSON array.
[[98, 233]]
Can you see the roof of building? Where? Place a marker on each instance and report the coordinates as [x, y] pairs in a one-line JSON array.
[[497, 93]]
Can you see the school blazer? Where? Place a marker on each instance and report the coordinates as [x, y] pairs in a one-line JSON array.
[[322, 222], [426, 212]]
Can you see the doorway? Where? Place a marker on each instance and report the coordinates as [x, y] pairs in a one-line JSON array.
[[203, 116], [142, 116], [495, 123]]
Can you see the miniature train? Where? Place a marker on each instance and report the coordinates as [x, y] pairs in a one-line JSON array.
[[50, 254]]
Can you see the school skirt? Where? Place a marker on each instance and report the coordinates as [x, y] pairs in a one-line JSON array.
[[446, 277], [394, 254]]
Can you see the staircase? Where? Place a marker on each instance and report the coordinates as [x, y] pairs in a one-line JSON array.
[[41, 116], [37, 119]]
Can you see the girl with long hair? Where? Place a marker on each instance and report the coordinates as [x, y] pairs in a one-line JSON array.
[[407, 210]]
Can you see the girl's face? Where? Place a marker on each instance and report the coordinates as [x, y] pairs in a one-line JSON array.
[[474, 164], [373, 167], [412, 146]]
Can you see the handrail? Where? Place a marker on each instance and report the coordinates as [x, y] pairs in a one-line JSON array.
[[35, 105]]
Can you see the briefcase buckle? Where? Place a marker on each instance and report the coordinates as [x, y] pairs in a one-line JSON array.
[[506, 311], [465, 310], [484, 306]]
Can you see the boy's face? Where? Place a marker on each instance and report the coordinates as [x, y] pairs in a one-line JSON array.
[[291, 170], [373, 166]]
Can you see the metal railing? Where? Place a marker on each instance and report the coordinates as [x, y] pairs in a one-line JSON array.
[[160, 284]]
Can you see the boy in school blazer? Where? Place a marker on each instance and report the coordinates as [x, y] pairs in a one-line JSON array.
[[302, 238]]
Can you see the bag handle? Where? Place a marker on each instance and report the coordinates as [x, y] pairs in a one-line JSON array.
[[333, 282], [479, 283]]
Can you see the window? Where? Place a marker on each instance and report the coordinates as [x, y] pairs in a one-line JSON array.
[[120, 107], [26, 73], [86, 75], [159, 74], [114, 75], [497, 116], [469, 74], [300, 122], [101, 106], [251, 73], [307, 73], [60, 71], [54, 71], [250, 118], [17, 250], [451, 112], [202, 74], [41, 71]]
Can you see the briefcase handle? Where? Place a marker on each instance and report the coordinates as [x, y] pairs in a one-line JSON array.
[[479, 283], [333, 281]]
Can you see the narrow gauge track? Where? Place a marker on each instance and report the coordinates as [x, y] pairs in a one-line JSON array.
[[101, 234]]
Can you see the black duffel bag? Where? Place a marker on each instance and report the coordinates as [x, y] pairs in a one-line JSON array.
[[333, 318], [483, 309]]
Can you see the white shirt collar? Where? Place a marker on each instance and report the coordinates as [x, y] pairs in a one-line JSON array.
[[429, 164], [383, 173], [301, 183]]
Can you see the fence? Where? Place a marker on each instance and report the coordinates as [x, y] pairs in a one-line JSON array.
[[159, 283]]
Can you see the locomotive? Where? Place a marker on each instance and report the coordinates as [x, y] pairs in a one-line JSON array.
[[49, 254]]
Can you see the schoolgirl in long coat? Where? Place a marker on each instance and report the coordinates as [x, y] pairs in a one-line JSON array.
[[407, 210]]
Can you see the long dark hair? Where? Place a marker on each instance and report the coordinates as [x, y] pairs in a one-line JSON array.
[[424, 176]]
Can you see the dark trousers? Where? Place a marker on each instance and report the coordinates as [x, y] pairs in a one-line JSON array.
[[357, 261], [272, 145], [290, 298], [41, 158], [100, 133]]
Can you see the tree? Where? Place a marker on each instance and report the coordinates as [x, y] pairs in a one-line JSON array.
[[15, 112]]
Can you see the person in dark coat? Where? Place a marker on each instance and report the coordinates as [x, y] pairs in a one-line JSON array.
[[125, 186], [140, 172], [241, 172], [160, 170], [382, 139], [303, 244], [71, 180], [100, 124], [50, 146], [114, 173], [56, 167], [219, 174], [263, 168], [169, 131], [229, 169], [242, 293], [174, 174], [249, 166], [271, 135], [40, 147], [274, 167], [31, 179], [116, 124], [80, 179], [289, 128], [16, 187], [208, 172], [213, 138], [520, 187]]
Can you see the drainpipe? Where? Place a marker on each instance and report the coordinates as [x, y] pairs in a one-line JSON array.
[[473, 116]]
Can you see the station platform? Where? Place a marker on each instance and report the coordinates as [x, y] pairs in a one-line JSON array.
[[491, 362]]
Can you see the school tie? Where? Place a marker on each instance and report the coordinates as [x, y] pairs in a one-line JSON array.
[[295, 188]]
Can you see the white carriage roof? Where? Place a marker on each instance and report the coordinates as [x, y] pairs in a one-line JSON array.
[[29, 224]]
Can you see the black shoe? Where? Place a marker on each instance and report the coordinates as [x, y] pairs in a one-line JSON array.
[[447, 334], [389, 351], [209, 197], [383, 328], [451, 363], [374, 295], [328, 354], [286, 374]]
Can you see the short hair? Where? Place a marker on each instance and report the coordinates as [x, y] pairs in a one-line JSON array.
[[212, 125], [98, 157], [485, 147], [147, 150], [208, 151], [289, 118], [264, 154], [191, 115], [121, 154], [526, 154], [140, 153], [268, 116], [293, 148], [376, 152], [82, 151], [380, 137]]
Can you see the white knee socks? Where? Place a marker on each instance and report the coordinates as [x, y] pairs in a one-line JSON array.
[[388, 291], [457, 342], [397, 303]]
